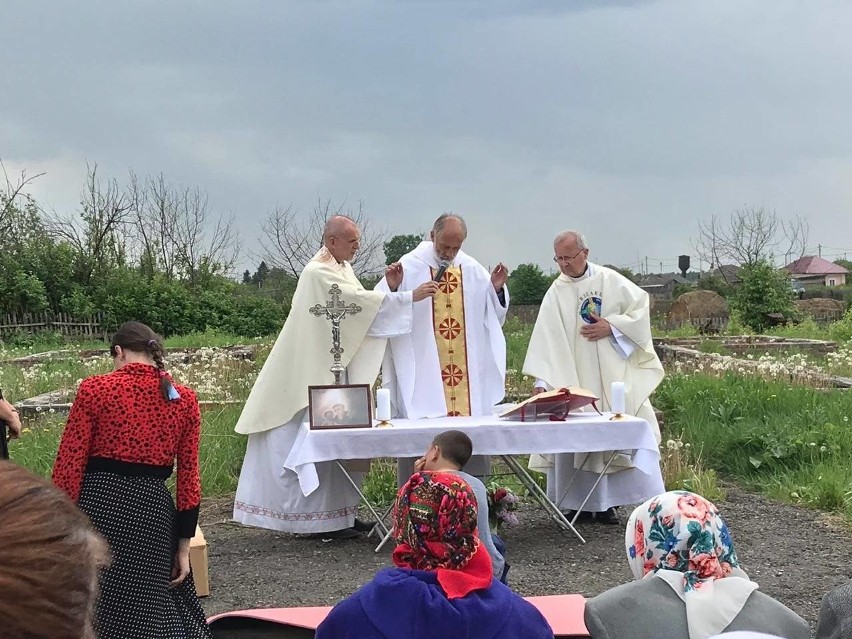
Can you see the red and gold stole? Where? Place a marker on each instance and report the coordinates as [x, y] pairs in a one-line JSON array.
[[450, 336]]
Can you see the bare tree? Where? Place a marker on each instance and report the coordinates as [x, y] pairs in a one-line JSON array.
[[177, 234], [98, 235], [288, 242], [749, 236], [11, 192], [204, 245]]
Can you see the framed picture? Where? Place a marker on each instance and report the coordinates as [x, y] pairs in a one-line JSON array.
[[347, 406]]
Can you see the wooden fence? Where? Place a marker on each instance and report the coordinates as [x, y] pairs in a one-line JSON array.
[[90, 328]]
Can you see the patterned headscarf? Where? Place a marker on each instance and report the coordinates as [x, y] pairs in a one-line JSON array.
[[681, 538], [434, 523]]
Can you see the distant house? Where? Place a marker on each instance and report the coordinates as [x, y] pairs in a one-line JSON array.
[[815, 271], [727, 273], [662, 287]]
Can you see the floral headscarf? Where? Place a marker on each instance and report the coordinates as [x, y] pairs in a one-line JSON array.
[[434, 523], [681, 538]]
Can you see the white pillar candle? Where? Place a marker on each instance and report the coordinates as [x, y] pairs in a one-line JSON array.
[[383, 409], [617, 401]]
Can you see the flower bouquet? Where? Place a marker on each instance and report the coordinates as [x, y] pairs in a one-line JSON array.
[[501, 506]]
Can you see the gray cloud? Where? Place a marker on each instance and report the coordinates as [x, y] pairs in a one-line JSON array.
[[627, 119]]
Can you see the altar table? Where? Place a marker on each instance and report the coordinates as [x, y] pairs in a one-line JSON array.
[[579, 432]]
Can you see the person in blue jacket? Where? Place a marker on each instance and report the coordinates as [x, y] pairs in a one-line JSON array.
[[442, 585]]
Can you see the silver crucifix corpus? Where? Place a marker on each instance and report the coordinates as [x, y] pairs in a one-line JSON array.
[[335, 310]]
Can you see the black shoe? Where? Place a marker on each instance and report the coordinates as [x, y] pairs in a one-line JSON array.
[[608, 516], [345, 533], [584, 515], [363, 526]]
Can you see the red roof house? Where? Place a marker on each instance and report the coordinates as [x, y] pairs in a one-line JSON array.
[[816, 271]]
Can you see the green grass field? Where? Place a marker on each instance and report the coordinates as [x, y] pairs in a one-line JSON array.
[[791, 442]]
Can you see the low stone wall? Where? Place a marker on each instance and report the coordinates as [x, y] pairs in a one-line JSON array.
[[248, 352], [681, 356], [754, 344], [59, 401]]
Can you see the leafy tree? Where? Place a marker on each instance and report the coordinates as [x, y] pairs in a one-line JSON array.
[[714, 283], [528, 284], [847, 264], [626, 272], [680, 289], [246, 277], [399, 245], [261, 275], [763, 290]]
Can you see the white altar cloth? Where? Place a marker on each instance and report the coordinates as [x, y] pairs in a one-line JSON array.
[[579, 433]]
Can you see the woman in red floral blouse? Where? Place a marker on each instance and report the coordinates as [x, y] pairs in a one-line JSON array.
[[123, 435]]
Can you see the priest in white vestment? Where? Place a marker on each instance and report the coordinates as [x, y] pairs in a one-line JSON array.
[[453, 362], [594, 328], [268, 494]]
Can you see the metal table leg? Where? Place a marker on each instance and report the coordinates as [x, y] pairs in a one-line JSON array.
[[379, 522], [536, 491]]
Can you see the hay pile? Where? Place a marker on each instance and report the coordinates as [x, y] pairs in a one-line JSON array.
[[821, 308], [700, 305]]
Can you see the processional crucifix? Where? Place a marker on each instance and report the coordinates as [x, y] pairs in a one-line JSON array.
[[335, 310]]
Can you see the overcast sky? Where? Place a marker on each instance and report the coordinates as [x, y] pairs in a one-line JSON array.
[[626, 120]]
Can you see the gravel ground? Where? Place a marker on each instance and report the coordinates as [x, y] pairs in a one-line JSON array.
[[796, 555]]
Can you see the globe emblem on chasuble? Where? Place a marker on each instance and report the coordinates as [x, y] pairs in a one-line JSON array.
[[590, 305]]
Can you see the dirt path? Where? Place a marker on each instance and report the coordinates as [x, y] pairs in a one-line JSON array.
[[796, 555]]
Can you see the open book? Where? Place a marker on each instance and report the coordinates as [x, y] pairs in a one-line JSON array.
[[556, 403]]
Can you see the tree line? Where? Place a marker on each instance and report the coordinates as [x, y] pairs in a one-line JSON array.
[[157, 252]]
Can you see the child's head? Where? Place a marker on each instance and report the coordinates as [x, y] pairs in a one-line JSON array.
[[452, 448]]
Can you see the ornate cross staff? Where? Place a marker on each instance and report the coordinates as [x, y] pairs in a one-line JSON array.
[[335, 310]]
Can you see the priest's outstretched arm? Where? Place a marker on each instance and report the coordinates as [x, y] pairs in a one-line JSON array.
[[395, 316]]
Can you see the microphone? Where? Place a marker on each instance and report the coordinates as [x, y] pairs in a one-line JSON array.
[[442, 268]]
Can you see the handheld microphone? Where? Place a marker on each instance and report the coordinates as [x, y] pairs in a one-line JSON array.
[[442, 268]]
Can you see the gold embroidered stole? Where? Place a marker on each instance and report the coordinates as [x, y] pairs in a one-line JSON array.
[[450, 336]]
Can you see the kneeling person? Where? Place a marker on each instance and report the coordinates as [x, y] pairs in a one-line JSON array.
[[449, 452], [442, 585]]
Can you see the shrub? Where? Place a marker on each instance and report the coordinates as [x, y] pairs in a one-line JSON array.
[[841, 330], [763, 290]]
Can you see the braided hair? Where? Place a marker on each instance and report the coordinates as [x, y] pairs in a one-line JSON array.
[[141, 338]]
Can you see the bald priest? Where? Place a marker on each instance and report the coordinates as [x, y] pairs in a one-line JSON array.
[[268, 495]]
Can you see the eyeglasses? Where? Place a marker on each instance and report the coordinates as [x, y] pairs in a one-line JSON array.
[[568, 258]]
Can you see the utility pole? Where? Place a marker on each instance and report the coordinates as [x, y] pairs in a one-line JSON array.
[[819, 249], [646, 265]]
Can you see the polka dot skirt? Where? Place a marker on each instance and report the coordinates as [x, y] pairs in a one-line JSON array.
[[136, 515]]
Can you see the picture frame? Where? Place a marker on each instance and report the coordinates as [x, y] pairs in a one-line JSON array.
[[344, 406]]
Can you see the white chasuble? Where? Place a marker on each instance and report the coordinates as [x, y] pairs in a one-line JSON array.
[[560, 356], [419, 369], [268, 495], [454, 360]]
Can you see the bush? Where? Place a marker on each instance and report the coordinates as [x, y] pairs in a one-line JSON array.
[[843, 293], [528, 284], [841, 330], [763, 290]]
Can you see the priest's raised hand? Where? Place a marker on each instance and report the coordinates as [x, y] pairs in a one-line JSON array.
[[499, 276], [393, 276]]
